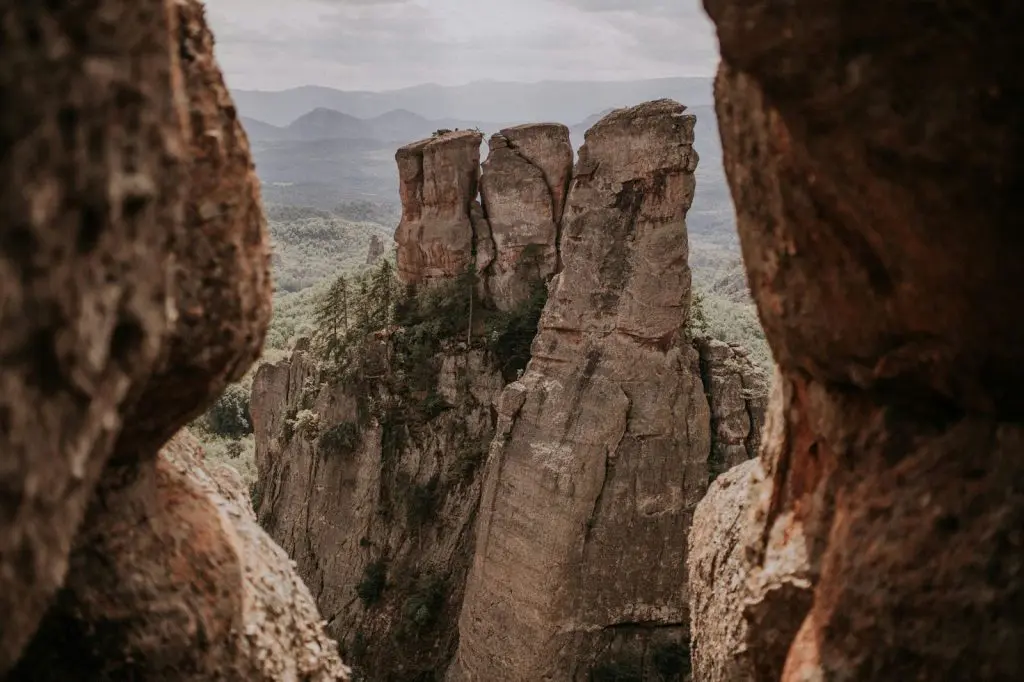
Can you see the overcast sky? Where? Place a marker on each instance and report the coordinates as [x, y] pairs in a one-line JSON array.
[[385, 44]]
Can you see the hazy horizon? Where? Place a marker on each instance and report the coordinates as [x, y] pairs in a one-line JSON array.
[[384, 45], [475, 81]]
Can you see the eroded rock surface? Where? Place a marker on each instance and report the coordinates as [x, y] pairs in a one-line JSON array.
[[92, 187], [376, 507], [193, 589], [437, 182], [737, 391], [170, 579], [717, 577], [523, 188], [602, 446], [900, 448]]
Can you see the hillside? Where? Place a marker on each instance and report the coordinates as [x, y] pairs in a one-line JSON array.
[[481, 100]]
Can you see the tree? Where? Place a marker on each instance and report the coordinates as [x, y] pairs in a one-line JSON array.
[[331, 316]]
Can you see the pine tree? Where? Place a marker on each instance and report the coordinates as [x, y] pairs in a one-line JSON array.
[[331, 317]]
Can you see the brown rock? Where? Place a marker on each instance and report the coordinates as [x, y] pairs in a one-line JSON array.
[[382, 496], [437, 182], [737, 393], [170, 580], [750, 583], [523, 188], [717, 577], [879, 223], [602, 446], [91, 193], [222, 266], [375, 251], [192, 589]]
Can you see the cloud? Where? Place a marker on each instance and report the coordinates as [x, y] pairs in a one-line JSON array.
[[383, 44]]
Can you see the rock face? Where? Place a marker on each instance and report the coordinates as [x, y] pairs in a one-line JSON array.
[[92, 198], [717, 577], [199, 560], [738, 395], [438, 183], [551, 559], [523, 188], [602, 446], [900, 450], [133, 328], [377, 512]]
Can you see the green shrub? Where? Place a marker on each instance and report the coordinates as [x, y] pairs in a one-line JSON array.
[[423, 607], [229, 415], [510, 334], [307, 424], [371, 587], [421, 502], [340, 438]]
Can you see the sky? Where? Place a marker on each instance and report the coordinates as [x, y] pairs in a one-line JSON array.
[[388, 44]]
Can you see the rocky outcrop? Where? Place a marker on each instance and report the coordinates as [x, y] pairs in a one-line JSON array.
[[376, 502], [523, 188], [438, 183], [193, 590], [900, 446], [737, 392], [92, 194], [717, 574], [376, 250], [134, 328], [602, 446]]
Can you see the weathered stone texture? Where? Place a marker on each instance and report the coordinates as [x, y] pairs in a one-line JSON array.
[[92, 186], [193, 589], [876, 180], [125, 138], [737, 393], [602, 446], [717, 573], [523, 188], [437, 183], [403, 494]]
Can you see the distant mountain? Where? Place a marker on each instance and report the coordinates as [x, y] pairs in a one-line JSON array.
[[327, 124], [392, 128], [479, 101]]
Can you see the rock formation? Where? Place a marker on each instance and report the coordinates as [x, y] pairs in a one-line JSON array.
[[717, 578], [375, 251], [523, 188], [91, 198], [113, 341], [194, 590], [602, 446], [879, 228], [377, 512], [738, 396], [438, 183]]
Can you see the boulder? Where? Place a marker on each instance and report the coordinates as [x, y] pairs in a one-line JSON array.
[[92, 188], [875, 171]]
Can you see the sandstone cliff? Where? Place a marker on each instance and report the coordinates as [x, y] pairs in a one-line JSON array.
[[376, 509], [523, 187], [603, 447], [880, 230], [438, 182], [112, 341]]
